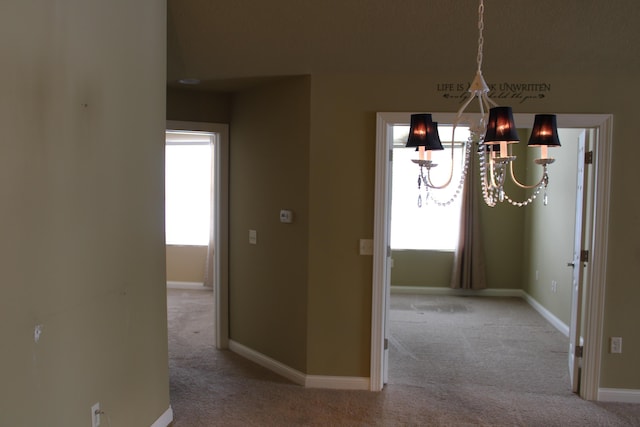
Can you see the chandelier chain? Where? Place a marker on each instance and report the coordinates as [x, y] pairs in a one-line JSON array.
[[480, 36]]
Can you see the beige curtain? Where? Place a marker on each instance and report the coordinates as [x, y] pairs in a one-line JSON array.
[[468, 263], [209, 273]]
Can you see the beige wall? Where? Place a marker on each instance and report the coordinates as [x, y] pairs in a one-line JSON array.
[[341, 162], [194, 106], [421, 268], [82, 113], [269, 152], [550, 232], [186, 263], [341, 205]]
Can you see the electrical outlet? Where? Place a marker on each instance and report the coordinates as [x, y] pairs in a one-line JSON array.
[[95, 415], [554, 286], [616, 345]]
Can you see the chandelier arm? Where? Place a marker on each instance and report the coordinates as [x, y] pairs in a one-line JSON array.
[[430, 184], [482, 102], [465, 168], [464, 107], [489, 102], [519, 184], [446, 184], [486, 190]]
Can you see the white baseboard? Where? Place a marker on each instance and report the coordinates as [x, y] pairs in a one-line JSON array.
[[337, 383], [186, 285], [619, 395], [267, 362], [550, 317], [165, 419], [308, 381], [426, 290]]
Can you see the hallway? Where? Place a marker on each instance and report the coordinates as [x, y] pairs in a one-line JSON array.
[[219, 388]]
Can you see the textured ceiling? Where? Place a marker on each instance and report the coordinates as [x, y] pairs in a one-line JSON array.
[[228, 44]]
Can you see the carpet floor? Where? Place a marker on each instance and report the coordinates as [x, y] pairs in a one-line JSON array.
[[454, 361]]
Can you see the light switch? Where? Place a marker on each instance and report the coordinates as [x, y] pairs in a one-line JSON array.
[[286, 216], [366, 246], [253, 237]]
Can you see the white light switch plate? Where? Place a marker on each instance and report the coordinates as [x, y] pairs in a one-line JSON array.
[[366, 246]]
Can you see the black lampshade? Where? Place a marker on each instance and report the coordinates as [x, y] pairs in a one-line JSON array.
[[501, 127], [545, 131], [423, 132]]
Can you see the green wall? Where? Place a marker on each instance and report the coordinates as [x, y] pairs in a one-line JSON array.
[[421, 268], [343, 122], [550, 231], [198, 106], [340, 196], [83, 114], [186, 263], [269, 155]]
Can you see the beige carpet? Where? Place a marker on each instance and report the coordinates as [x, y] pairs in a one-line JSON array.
[[454, 361]]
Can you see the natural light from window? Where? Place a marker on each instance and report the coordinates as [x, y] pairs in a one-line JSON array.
[[430, 227], [188, 164]]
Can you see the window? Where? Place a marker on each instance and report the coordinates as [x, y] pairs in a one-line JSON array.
[[188, 164], [426, 227]]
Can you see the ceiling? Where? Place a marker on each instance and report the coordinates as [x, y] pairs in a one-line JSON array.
[[231, 44]]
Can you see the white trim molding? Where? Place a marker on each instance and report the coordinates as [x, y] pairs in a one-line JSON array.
[[186, 285], [433, 290], [297, 377], [267, 362], [594, 294], [336, 382], [165, 419], [619, 395], [549, 316]]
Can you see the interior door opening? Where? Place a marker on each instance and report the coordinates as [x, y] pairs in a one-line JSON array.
[[600, 126], [189, 207], [198, 247]]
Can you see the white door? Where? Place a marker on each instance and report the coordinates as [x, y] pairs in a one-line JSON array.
[[578, 266], [387, 270]]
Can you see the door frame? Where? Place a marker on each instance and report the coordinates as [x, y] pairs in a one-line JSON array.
[[220, 221], [595, 273], [577, 266]]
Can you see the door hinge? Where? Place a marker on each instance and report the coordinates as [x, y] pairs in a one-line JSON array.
[[588, 157], [391, 155], [579, 351], [584, 256], [388, 251], [386, 344]]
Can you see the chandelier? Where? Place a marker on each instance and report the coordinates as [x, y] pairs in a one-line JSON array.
[[492, 135]]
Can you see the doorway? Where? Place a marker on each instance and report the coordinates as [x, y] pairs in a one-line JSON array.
[[217, 259], [594, 273]]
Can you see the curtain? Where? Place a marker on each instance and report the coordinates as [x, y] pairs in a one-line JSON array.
[[468, 262], [209, 272]]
